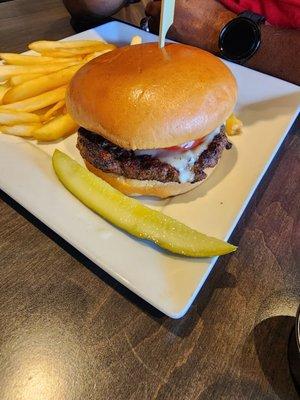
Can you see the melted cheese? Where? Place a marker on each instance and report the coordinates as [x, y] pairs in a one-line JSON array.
[[182, 161]]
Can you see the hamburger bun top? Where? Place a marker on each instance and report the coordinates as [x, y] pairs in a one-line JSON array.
[[143, 97]]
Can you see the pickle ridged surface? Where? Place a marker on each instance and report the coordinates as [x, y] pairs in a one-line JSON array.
[[132, 216]]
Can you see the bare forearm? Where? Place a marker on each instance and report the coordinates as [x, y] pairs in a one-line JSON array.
[[199, 25], [99, 8], [278, 54]]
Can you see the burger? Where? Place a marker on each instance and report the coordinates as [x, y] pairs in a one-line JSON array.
[[152, 120]]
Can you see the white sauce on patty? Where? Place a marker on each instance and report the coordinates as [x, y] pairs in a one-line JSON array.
[[182, 161]]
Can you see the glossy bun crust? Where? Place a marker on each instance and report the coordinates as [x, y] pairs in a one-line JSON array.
[[143, 97]]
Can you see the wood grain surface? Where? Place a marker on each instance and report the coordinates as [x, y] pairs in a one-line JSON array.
[[69, 331]]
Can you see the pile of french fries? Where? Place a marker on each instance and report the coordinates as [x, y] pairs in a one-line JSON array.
[[33, 87]]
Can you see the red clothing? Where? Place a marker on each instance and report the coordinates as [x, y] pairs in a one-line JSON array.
[[281, 13]]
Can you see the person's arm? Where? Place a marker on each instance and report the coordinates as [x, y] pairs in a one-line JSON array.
[[278, 54], [93, 8], [198, 22]]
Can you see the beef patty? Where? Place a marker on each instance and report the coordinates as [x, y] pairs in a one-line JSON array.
[[108, 157]]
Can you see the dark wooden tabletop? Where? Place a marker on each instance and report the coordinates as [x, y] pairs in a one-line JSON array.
[[68, 331]]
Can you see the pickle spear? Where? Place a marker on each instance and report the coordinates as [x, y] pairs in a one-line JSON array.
[[131, 215]]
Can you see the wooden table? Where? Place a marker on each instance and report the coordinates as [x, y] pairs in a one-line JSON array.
[[68, 331]]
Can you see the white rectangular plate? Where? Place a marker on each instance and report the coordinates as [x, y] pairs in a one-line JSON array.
[[266, 105]]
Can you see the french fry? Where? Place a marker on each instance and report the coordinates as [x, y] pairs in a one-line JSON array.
[[10, 117], [91, 56], [136, 40], [42, 45], [53, 110], [12, 70], [233, 125], [70, 52], [22, 59], [3, 90], [41, 112], [57, 128], [66, 53], [18, 79], [33, 87], [20, 130], [38, 102], [40, 85]]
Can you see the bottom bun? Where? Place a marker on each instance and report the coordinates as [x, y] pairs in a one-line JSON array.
[[135, 187]]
